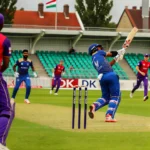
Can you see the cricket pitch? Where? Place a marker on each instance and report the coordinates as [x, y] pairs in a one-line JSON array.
[[59, 117]]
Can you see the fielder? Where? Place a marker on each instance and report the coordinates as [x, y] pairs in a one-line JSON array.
[[22, 75], [57, 72], [108, 79], [142, 75], [7, 109]]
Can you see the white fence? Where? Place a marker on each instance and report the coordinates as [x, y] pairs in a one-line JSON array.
[[92, 84]]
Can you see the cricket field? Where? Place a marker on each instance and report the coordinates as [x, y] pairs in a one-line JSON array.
[[45, 124]]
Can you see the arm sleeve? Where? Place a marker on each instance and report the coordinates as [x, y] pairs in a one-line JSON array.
[[17, 63], [31, 64], [139, 64], [7, 48], [55, 67], [101, 52]]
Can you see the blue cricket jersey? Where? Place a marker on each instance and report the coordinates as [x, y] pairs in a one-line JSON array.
[[100, 63], [23, 66]]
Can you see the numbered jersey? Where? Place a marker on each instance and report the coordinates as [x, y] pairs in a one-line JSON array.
[[100, 63]]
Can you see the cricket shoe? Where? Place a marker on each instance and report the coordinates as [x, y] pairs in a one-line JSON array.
[[2, 147], [110, 119], [91, 112], [27, 101], [55, 93], [50, 92], [131, 95], [145, 98]]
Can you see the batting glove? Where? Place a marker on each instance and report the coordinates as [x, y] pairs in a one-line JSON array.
[[121, 51], [16, 74], [35, 74]]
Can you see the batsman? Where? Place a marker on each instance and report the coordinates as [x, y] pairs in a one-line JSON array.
[[108, 79]]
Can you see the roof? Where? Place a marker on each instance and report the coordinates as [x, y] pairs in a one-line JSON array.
[[32, 18], [135, 17]]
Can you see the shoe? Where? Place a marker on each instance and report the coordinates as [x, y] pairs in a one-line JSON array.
[[145, 98], [91, 112], [27, 101], [2, 147], [131, 95], [55, 93], [110, 119], [50, 92]]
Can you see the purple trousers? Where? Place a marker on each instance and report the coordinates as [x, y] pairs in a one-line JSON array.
[[6, 111], [139, 80], [57, 81]]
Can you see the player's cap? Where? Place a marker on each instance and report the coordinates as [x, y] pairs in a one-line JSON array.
[[146, 55], [1, 19]]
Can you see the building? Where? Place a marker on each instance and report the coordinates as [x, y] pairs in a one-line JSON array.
[[48, 20], [133, 17]]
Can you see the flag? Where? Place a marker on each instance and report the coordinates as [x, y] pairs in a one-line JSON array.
[[51, 4]]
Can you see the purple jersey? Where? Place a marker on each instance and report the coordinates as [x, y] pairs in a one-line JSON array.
[[143, 66], [5, 48]]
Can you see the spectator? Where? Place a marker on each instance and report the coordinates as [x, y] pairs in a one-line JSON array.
[[72, 50]]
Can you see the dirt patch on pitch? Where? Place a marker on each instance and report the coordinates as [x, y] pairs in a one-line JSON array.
[[60, 118]]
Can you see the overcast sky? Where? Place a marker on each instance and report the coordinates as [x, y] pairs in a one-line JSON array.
[[116, 11]]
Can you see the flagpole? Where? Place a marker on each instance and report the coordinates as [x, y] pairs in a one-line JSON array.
[[56, 17]]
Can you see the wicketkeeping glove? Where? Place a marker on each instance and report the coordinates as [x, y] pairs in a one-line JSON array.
[[16, 74]]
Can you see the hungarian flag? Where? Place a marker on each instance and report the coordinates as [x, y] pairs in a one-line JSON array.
[[51, 4]]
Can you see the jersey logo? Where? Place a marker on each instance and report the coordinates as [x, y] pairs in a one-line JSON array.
[[97, 65], [22, 64]]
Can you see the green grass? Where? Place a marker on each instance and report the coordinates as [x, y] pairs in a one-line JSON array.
[[134, 106], [30, 136]]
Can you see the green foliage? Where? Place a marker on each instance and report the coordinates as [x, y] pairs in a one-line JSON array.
[[8, 8], [95, 13]]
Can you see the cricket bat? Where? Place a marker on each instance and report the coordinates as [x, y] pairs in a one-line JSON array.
[[128, 41], [129, 38]]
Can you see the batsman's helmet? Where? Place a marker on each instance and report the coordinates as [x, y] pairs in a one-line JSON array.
[[93, 48]]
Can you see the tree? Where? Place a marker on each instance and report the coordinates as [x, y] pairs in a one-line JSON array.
[[94, 13], [8, 8]]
